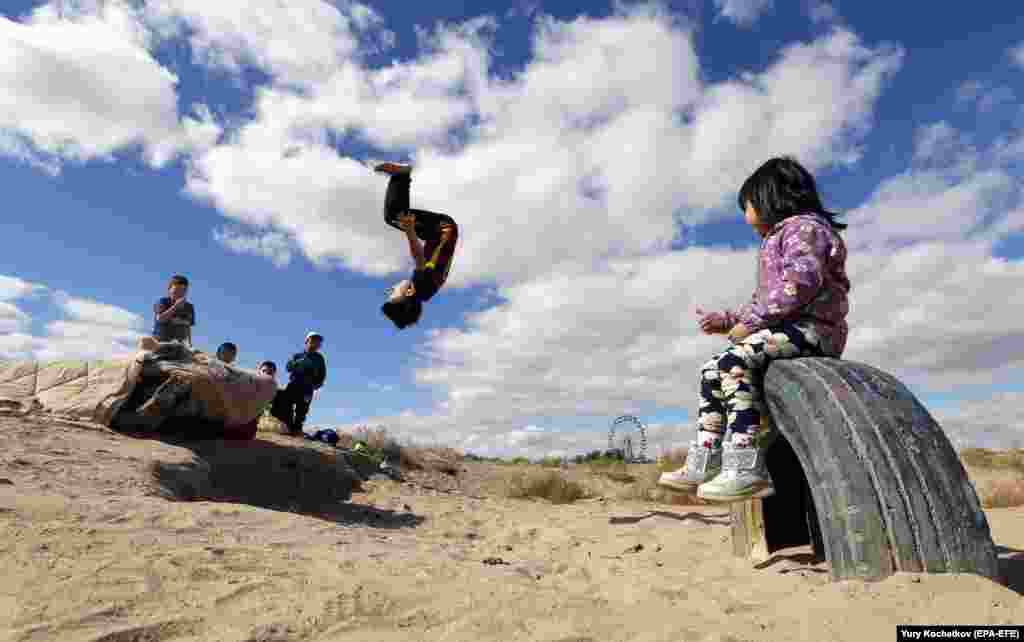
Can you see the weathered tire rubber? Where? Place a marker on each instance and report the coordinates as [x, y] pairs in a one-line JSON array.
[[889, 490]]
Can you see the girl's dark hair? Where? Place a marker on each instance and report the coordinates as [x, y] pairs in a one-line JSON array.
[[270, 364], [227, 345], [404, 312], [177, 278], [782, 188]]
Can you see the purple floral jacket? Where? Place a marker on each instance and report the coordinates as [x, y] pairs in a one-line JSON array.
[[801, 277]]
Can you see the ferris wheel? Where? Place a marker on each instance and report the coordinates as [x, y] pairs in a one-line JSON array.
[[629, 435]]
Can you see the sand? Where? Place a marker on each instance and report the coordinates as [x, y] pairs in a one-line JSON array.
[[94, 546]]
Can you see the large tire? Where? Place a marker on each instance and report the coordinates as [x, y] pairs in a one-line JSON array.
[[889, 491]]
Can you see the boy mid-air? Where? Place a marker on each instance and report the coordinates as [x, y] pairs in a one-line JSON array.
[[433, 259]]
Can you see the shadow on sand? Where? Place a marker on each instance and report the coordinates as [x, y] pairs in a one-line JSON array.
[[1011, 567], [718, 519], [806, 563], [301, 479]]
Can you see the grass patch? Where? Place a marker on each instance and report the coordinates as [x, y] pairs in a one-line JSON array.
[[379, 445], [1003, 493], [614, 470], [1012, 459], [545, 484]]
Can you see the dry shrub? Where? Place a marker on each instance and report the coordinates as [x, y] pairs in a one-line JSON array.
[[270, 424], [673, 459], [545, 484], [345, 440], [616, 471], [1003, 493], [445, 460], [374, 438], [646, 489], [409, 456], [1012, 459]]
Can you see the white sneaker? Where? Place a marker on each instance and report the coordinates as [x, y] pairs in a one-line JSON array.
[[702, 464], [744, 476]]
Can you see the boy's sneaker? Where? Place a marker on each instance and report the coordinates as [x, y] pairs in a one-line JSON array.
[[744, 476], [702, 464], [393, 168]]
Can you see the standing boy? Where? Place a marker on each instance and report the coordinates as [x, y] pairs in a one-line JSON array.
[[174, 315], [308, 370]]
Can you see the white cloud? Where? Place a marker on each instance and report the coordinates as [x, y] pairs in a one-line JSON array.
[[579, 134], [88, 330], [1017, 54], [14, 288], [77, 83], [743, 12], [298, 42], [953, 192], [95, 313], [995, 422], [12, 319], [272, 245]]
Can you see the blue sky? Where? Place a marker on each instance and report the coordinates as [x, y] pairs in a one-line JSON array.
[[107, 195]]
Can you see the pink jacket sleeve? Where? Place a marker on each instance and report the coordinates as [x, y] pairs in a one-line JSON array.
[[782, 293]]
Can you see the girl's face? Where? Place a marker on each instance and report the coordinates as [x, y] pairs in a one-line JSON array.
[[753, 220], [750, 215]]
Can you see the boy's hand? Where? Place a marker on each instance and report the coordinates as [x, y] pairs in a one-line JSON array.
[[738, 333], [407, 222]]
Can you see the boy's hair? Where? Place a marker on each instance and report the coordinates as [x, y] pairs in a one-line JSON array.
[[404, 312], [782, 188], [177, 279], [268, 364], [227, 345]]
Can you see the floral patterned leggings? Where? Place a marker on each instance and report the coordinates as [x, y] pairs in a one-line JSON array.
[[730, 383]]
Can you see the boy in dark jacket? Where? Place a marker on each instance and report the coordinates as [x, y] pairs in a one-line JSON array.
[[307, 370], [174, 316]]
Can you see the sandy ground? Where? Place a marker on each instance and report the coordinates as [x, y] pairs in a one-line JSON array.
[[98, 542]]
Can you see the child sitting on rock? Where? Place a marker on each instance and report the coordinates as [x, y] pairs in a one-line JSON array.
[[227, 352], [174, 315]]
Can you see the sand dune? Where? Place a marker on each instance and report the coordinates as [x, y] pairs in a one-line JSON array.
[[99, 543]]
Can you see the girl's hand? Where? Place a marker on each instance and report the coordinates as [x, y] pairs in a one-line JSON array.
[[713, 323], [738, 333]]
